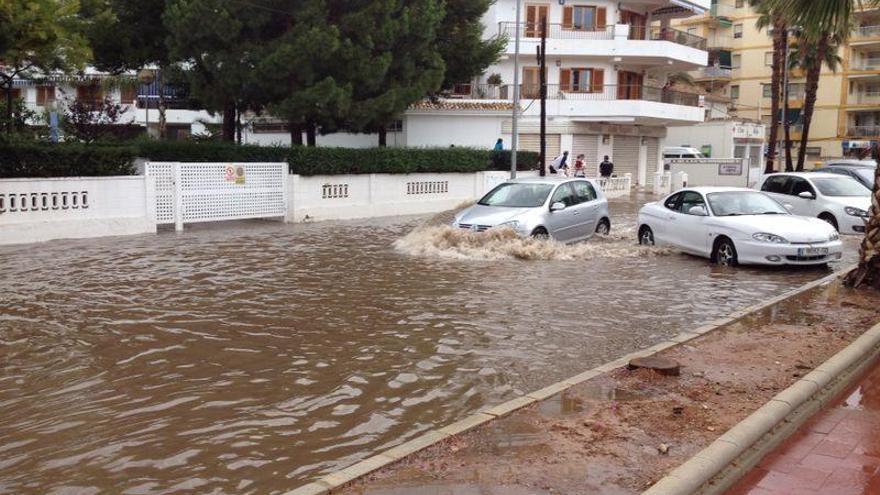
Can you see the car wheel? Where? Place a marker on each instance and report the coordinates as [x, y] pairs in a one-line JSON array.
[[725, 253], [646, 236], [541, 234], [604, 227], [828, 217]]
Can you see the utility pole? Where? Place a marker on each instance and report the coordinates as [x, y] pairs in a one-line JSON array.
[[542, 64], [514, 140]]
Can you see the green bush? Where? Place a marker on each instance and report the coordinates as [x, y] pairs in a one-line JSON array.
[[20, 159], [330, 161]]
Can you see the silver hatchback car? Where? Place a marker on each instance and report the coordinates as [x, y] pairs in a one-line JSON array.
[[568, 210]]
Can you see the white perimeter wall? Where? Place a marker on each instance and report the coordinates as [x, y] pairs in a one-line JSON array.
[[36, 210], [431, 130]]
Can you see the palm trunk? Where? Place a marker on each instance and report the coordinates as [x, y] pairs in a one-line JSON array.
[[296, 135], [868, 271], [779, 41], [383, 137], [812, 86], [789, 164]]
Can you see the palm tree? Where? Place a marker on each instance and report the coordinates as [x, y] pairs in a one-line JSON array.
[[868, 271], [810, 56], [779, 32]]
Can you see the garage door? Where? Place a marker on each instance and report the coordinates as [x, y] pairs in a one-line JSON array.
[[532, 142], [653, 144], [588, 144], [626, 156]]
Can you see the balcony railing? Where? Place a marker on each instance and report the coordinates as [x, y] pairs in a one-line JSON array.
[[865, 97], [676, 36], [719, 41], [867, 64], [864, 131], [605, 92], [711, 73], [866, 32], [563, 31], [557, 31]]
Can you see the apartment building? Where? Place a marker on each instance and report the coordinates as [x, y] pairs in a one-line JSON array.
[[847, 112]]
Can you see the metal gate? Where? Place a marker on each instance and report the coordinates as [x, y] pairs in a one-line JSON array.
[[212, 192], [653, 163], [588, 144], [532, 142], [626, 155]]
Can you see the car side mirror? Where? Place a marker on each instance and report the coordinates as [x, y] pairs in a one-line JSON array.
[[788, 206], [699, 211], [557, 206], [807, 195]]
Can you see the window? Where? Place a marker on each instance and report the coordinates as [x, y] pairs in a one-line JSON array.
[[766, 90], [838, 187], [735, 61], [584, 191], [734, 92], [584, 18], [778, 184], [799, 185], [689, 200], [692, 31], [581, 80], [737, 31], [672, 202], [517, 195], [564, 194], [739, 4], [768, 58], [45, 94], [395, 126], [91, 93]]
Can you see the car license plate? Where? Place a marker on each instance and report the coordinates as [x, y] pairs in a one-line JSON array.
[[812, 251]]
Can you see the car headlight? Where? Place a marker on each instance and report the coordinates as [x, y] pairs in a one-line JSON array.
[[514, 224], [775, 239], [856, 212], [834, 236]]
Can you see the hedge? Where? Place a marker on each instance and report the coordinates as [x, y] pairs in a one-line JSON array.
[[328, 161], [68, 159], [64, 160]]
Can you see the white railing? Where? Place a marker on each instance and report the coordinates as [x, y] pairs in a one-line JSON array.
[[615, 187], [34, 210], [866, 32], [212, 192], [870, 96], [710, 72]]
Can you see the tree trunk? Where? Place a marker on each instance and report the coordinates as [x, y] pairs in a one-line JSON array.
[[9, 125], [868, 271], [383, 137], [296, 135], [812, 87], [229, 122], [311, 135], [238, 124], [779, 42]]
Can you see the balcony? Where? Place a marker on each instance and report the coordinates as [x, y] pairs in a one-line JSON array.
[[711, 74], [865, 97], [864, 33], [608, 102], [668, 47], [866, 64], [867, 131], [719, 42], [721, 11]]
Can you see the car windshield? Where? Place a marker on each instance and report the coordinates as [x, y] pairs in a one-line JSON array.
[[733, 203], [866, 174], [517, 195], [840, 186]]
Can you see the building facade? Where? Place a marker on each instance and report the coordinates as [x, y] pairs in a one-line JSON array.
[[847, 112]]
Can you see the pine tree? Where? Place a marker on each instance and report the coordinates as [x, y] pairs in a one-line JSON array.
[[461, 44]]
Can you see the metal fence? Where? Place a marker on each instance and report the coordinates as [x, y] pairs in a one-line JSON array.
[[557, 31], [588, 92]]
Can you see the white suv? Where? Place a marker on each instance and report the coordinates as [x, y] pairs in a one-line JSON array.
[[837, 199]]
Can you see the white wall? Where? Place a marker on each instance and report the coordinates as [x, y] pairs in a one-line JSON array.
[[339, 139], [472, 130], [36, 210]]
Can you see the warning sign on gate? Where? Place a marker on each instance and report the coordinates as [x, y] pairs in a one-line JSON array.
[[235, 173]]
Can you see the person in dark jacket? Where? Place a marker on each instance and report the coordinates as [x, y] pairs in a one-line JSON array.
[[606, 168]]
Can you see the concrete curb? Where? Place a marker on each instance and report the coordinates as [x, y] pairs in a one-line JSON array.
[[720, 465], [338, 479]]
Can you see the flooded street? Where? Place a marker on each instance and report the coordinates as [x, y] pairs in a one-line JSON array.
[[252, 358]]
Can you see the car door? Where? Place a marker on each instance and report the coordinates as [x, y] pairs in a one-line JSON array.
[[563, 224], [588, 205], [778, 187], [802, 206], [663, 225], [692, 231]]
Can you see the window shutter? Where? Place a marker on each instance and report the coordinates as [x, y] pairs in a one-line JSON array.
[[565, 79], [597, 80], [601, 18], [568, 18]]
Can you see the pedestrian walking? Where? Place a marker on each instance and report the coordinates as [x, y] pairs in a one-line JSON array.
[[606, 168], [499, 145], [579, 168], [559, 164]]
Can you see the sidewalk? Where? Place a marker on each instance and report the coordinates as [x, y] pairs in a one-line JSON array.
[[836, 452]]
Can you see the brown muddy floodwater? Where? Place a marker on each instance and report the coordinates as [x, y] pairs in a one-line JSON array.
[[253, 357]]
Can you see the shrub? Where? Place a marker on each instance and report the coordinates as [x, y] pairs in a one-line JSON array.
[[189, 151], [18, 159]]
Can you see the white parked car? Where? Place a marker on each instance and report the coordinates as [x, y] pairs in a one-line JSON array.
[[731, 225], [837, 199]]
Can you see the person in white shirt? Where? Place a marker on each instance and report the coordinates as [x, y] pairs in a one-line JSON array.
[[559, 164]]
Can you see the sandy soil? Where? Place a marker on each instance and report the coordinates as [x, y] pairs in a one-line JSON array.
[[622, 431]]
